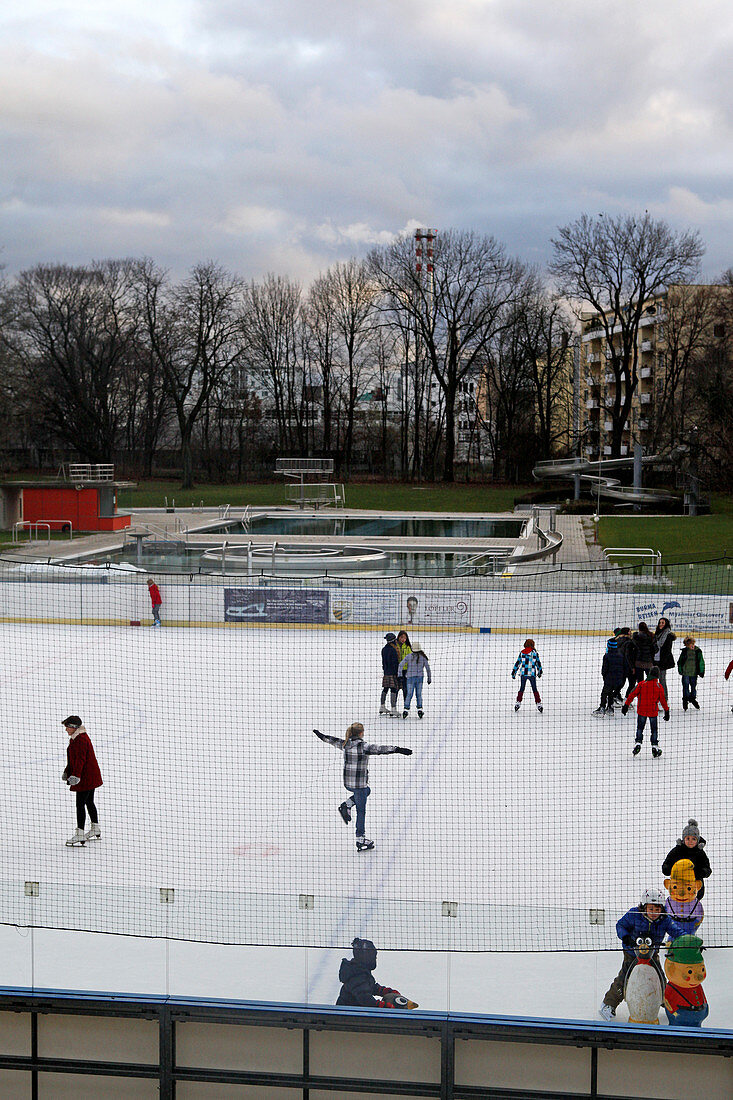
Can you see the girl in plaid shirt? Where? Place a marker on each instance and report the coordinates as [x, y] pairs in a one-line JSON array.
[[529, 667], [356, 775]]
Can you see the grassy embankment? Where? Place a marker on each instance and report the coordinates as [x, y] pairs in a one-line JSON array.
[[680, 538]]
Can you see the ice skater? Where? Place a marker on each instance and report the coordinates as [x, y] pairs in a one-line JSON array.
[[356, 775], [727, 675], [663, 656], [645, 919], [690, 665], [645, 646], [529, 667], [650, 696], [156, 600], [83, 777], [405, 646], [690, 846], [390, 675], [415, 666], [615, 669]]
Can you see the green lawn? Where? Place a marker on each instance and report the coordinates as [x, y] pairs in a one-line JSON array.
[[680, 538], [391, 496]]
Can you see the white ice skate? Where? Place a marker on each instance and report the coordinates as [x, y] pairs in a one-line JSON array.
[[79, 837], [382, 710], [94, 832], [393, 713]]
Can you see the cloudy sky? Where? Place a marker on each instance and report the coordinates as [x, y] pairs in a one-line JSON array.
[[284, 135]]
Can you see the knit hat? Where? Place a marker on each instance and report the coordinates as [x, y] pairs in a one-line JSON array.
[[683, 871], [390, 637], [73, 720], [611, 644], [365, 953], [691, 829], [685, 949]]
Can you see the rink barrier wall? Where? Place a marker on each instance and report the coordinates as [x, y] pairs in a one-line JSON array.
[[188, 1049], [584, 614]]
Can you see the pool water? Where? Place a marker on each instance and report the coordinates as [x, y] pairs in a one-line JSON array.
[[368, 527]]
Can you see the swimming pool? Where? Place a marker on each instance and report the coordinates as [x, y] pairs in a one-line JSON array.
[[418, 527]]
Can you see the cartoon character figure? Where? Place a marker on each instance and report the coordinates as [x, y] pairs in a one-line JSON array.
[[684, 1000], [643, 985], [683, 904]]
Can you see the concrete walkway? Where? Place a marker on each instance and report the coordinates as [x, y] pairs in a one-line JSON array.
[[577, 540]]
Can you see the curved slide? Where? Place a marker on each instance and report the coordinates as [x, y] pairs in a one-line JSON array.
[[594, 475]]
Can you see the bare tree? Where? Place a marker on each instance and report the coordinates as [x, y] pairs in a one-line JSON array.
[[616, 265], [271, 323], [72, 332], [547, 333], [193, 337], [454, 310]]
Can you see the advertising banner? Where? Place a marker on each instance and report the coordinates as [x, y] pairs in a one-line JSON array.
[[276, 605], [435, 609], [687, 614]]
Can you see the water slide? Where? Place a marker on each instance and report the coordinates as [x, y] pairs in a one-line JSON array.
[[598, 477]]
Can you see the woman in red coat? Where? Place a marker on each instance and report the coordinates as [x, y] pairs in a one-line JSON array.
[[83, 776]]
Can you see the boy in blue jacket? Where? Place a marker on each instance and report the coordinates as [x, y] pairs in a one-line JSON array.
[[648, 918]]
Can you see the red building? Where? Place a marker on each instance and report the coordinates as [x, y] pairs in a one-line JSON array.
[[79, 503]]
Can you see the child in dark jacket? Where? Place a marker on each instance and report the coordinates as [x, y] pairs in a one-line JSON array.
[[648, 918], [358, 988], [529, 667], [690, 665], [690, 846], [614, 670], [649, 695]]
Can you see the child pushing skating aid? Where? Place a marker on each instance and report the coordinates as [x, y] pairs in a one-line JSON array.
[[356, 775]]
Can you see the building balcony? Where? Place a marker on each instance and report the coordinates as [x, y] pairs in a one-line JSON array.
[[645, 398], [645, 372], [646, 345], [591, 403], [609, 376], [608, 425], [592, 357], [642, 425], [608, 402], [607, 449]]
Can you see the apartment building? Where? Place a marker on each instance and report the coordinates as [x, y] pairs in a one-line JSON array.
[[678, 315]]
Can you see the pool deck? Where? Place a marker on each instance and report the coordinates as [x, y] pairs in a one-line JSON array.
[[192, 527]]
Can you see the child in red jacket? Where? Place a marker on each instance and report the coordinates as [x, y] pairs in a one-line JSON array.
[[83, 776], [156, 600], [649, 695]]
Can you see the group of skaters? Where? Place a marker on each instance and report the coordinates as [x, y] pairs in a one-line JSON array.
[[657, 918], [404, 668], [634, 669]]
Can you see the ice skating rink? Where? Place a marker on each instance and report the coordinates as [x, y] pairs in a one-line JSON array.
[[215, 788]]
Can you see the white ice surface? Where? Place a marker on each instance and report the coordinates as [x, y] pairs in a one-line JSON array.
[[215, 786]]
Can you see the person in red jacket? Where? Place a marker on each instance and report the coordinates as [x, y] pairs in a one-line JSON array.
[[649, 694], [83, 777], [728, 672], [156, 601]]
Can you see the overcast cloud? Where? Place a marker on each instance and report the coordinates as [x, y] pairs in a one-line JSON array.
[[284, 136]]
